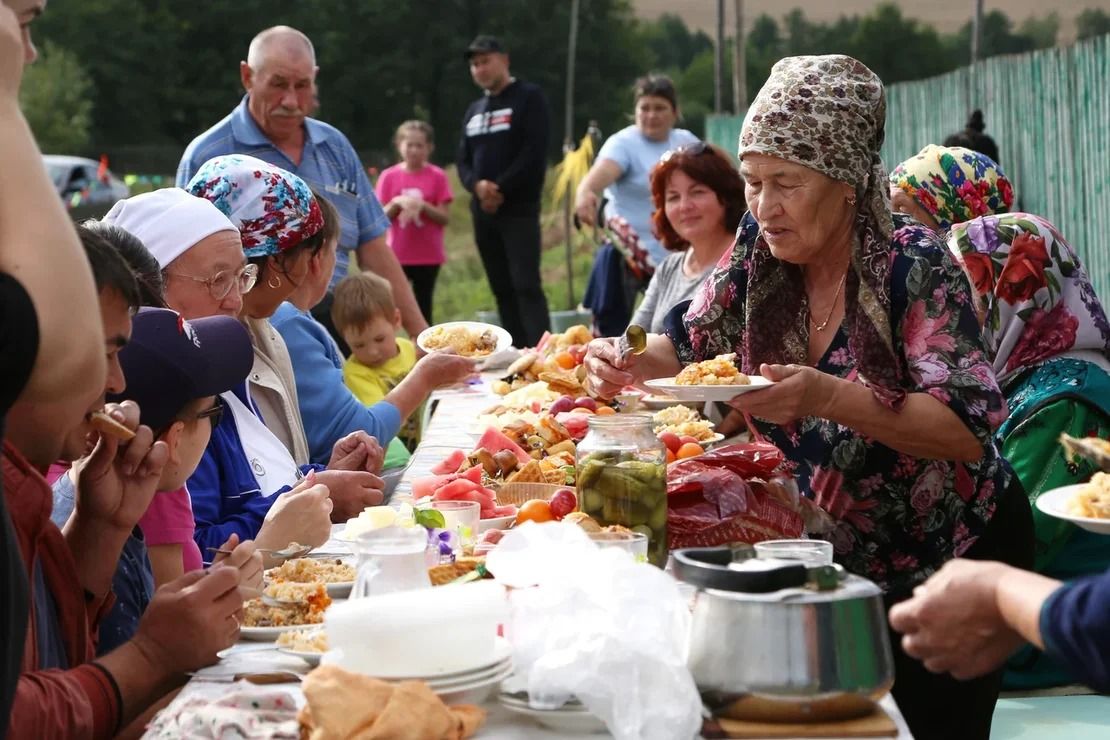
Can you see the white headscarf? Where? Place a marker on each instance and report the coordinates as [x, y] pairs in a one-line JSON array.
[[169, 222]]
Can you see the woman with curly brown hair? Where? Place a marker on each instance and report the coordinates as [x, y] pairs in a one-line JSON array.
[[699, 200]]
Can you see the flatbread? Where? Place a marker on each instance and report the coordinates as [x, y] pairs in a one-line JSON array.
[[105, 424]]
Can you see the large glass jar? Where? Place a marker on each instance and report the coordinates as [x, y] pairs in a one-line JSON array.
[[622, 478]]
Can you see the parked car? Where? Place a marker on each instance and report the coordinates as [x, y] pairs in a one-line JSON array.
[[78, 176]]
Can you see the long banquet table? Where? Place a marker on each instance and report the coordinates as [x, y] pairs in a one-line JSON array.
[[449, 422]]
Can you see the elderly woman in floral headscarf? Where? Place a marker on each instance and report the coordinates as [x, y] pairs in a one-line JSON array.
[[943, 186], [1049, 340], [884, 395]]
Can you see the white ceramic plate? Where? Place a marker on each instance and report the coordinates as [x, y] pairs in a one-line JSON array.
[[504, 339], [1054, 503], [703, 393], [655, 403], [501, 652], [268, 634], [478, 692], [498, 522], [500, 670], [564, 720], [313, 659], [242, 649]]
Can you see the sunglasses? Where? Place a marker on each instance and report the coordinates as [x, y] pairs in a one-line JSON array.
[[693, 149], [214, 414]]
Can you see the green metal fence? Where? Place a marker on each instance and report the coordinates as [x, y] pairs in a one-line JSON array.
[[1049, 112]]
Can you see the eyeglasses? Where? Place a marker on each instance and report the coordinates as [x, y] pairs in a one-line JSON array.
[[214, 414], [220, 284], [693, 149]]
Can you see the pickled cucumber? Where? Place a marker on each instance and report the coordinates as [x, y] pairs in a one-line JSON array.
[[618, 488]]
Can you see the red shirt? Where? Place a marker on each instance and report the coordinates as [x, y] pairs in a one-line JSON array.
[[79, 703]]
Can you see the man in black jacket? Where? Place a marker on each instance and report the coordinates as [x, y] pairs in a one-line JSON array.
[[501, 162]]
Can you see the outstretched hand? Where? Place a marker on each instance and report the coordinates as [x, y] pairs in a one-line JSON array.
[[799, 391]]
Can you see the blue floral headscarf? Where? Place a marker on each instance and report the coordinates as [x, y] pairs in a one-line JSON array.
[[273, 209]]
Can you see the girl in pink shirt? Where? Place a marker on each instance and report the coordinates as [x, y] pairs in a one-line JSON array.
[[416, 195]]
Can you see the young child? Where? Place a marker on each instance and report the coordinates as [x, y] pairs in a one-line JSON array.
[[416, 195], [366, 317]]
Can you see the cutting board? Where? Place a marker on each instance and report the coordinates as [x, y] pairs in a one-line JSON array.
[[876, 724]]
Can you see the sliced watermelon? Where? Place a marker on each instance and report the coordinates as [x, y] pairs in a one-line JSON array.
[[450, 464], [424, 487], [473, 474], [503, 511], [494, 441], [455, 489]]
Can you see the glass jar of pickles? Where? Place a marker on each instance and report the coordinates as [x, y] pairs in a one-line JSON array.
[[622, 478]]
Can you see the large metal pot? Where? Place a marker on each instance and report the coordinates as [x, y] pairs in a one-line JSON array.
[[774, 641]]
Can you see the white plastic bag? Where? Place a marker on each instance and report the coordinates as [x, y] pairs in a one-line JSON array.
[[592, 623]]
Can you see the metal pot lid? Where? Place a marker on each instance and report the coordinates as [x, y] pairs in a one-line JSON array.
[[733, 573]]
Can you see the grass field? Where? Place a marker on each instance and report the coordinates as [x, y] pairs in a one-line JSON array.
[[462, 290]]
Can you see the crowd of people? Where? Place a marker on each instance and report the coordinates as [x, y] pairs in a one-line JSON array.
[[928, 347], [217, 372]]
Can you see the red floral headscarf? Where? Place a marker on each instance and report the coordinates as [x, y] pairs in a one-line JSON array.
[[1037, 298]]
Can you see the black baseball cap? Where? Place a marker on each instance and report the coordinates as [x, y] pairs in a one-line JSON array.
[[484, 45], [171, 362]]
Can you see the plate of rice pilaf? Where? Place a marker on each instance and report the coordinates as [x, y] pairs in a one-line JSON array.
[[465, 338], [336, 575], [262, 621], [1086, 505]]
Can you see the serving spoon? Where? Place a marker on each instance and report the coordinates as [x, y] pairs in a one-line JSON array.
[[632, 342]]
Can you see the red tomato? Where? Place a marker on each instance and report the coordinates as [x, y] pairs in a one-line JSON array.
[[671, 440]]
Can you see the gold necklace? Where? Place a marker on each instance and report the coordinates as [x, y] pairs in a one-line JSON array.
[[828, 317]]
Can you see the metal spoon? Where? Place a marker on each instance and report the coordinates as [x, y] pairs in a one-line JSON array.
[[279, 603], [632, 342], [292, 551]]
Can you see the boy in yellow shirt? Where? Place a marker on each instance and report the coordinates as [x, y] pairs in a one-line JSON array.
[[366, 317]]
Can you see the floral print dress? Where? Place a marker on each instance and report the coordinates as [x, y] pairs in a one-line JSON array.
[[898, 518]]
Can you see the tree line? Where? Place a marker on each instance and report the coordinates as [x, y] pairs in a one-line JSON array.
[[139, 78]]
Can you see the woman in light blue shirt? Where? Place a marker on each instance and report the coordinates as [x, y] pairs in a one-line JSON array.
[[623, 166]]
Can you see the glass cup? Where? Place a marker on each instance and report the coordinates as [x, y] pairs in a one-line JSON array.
[[460, 517], [634, 543], [391, 559], [811, 552]]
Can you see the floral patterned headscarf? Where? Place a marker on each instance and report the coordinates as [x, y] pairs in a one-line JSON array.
[[826, 113], [954, 184], [273, 209], [1038, 300]]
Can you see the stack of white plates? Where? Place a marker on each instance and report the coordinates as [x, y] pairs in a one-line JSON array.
[[571, 717], [473, 685]]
